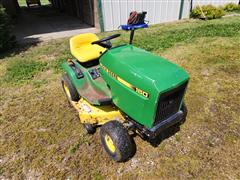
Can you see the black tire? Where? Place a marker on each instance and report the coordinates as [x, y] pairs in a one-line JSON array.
[[124, 145], [91, 129], [73, 94]]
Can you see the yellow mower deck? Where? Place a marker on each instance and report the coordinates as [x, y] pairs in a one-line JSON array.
[[98, 115]]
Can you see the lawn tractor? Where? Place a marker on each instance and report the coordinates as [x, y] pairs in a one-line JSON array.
[[124, 89]]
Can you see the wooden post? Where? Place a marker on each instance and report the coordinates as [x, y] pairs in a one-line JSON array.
[[96, 16]]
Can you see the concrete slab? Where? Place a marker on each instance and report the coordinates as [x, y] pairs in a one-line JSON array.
[[45, 23]]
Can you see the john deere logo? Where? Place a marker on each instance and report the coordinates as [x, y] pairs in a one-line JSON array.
[[137, 90]]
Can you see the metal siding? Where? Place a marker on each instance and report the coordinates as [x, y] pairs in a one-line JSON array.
[[170, 10], [107, 18], [186, 9], [175, 8], [164, 17], [158, 12], [116, 12], [138, 6]]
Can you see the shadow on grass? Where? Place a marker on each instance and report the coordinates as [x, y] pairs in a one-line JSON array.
[[171, 131], [19, 48]]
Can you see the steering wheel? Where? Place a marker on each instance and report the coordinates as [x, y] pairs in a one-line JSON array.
[[101, 42]]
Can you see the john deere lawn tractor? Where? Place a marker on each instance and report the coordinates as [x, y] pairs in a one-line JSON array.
[[124, 89]]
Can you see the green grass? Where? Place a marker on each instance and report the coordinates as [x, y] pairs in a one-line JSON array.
[[41, 136], [161, 38], [23, 2], [22, 71]]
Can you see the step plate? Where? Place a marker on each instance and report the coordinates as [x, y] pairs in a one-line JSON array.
[[96, 114]]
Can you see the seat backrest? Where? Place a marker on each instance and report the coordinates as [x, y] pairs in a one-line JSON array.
[[78, 40]]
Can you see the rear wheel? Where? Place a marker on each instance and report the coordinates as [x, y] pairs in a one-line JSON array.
[[69, 89], [91, 129], [116, 141]]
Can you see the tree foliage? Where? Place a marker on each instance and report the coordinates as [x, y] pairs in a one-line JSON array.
[[7, 40]]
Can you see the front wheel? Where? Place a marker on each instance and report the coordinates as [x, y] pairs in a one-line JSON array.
[[116, 141]]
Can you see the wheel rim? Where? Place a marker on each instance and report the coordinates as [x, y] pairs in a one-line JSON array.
[[109, 143], [66, 90]]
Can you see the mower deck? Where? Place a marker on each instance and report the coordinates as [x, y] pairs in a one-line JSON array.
[[97, 115]]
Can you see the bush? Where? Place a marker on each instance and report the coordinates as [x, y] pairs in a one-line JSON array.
[[231, 7], [6, 39], [207, 11]]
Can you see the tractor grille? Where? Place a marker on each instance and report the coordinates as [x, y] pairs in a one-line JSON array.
[[169, 103]]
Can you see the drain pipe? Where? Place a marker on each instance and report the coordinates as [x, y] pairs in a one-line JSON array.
[[181, 10], [191, 5]]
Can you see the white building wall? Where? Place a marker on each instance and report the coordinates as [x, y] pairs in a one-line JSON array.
[[116, 12]]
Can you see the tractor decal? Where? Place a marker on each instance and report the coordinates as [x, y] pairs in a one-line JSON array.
[[137, 90]]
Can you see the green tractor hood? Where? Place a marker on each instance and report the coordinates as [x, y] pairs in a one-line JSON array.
[[137, 78], [143, 69]]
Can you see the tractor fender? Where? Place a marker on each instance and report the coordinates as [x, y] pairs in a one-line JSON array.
[[78, 81]]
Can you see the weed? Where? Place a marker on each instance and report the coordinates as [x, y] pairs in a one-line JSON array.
[[84, 139], [39, 83], [162, 146], [1, 120], [98, 176], [207, 11], [232, 7], [57, 64], [178, 137], [211, 142], [23, 70]]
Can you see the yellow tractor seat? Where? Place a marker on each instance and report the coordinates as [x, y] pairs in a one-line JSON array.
[[82, 49]]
